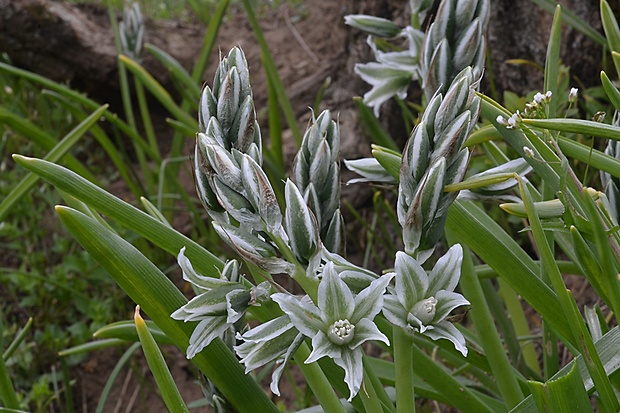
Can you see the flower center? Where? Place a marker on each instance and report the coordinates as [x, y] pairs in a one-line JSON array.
[[425, 310], [341, 332]]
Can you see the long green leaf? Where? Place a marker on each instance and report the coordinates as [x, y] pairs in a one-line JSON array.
[[128, 215], [473, 227], [612, 31], [610, 89], [585, 127], [159, 297], [593, 157], [54, 155], [165, 382]]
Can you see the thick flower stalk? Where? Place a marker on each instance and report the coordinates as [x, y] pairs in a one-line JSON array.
[[455, 40], [339, 323], [131, 31], [421, 302], [316, 173], [221, 303], [434, 158]]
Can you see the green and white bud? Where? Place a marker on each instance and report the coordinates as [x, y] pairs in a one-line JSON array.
[[454, 41], [131, 31], [316, 173]]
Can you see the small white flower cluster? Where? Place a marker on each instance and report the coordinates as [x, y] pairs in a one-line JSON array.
[[536, 108], [512, 122]]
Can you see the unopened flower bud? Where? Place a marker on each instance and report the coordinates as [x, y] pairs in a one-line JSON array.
[[572, 95]]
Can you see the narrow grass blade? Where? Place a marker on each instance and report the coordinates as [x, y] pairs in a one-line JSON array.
[[474, 228], [150, 288], [128, 215], [42, 139], [209, 39], [272, 73], [585, 127], [19, 338], [373, 128], [126, 330], [563, 394], [165, 382], [158, 91], [61, 148], [552, 62], [8, 396], [176, 70]]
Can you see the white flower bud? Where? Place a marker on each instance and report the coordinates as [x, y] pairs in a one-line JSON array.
[[572, 96]]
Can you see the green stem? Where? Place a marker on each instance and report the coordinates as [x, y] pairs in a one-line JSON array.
[[318, 382], [403, 361], [310, 286]]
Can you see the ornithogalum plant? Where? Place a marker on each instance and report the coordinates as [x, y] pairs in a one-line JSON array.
[[370, 339]]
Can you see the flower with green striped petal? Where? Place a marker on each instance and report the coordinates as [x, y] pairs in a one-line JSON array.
[[275, 340], [340, 322], [222, 302], [421, 302]]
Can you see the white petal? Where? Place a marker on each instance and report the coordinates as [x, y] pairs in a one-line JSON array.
[[322, 346], [446, 302], [411, 280], [335, 298], [446, 273], [304, 315], [366, 330], [445, 329], [351, 362], [369, 301]]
